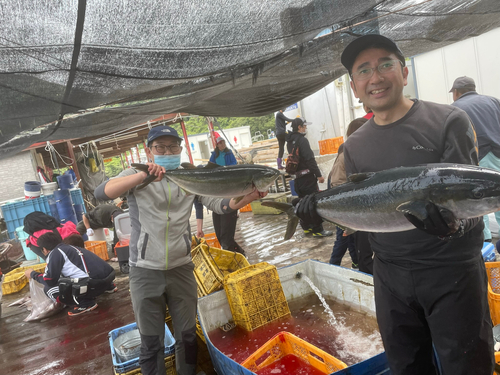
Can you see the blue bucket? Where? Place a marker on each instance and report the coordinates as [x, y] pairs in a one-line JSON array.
[[32, 189], [64, 205], [32, 186], [65, 181]]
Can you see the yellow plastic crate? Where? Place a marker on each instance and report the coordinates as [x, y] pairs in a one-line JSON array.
[[169, 366], [285, 343], [15, 280], [493, 272], [99, 248], [255, 296], [200, 289], [259, 209], [212, 264]]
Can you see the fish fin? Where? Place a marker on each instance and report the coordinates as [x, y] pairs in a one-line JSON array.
[[293, 220], [415, 208], [211, 165], [238, 199], [358, 177], [188, 166]]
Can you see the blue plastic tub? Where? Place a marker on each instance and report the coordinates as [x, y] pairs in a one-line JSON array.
[[488, 252], [122, 367], [344, 284], [23, 236]]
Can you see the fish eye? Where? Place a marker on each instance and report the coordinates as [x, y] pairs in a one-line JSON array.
[[477, 194]]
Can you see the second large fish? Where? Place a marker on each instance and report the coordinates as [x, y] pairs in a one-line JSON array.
[[376, 202]]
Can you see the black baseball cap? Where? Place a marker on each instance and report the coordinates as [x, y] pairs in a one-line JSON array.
[[299, 121], [161, 131], [358, 45]]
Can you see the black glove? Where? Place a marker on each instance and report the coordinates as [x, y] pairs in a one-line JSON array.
[[305, 209], [439, 221]]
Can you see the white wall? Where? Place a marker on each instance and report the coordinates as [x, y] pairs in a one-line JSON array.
[[14, 172], [476, 57], [201, 145]]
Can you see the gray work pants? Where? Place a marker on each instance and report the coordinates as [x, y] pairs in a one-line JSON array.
[[151, 292]]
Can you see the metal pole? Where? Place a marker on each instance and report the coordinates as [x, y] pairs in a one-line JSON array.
[[186, 140], [131, 156], [121, 159]]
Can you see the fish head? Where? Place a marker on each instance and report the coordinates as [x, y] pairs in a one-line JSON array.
[[475, 193], [264, 178]]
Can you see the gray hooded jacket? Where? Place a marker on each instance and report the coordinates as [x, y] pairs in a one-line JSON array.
[[159, 215]]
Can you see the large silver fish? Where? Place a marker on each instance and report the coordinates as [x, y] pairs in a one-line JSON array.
[[216, 181], [376, 202]]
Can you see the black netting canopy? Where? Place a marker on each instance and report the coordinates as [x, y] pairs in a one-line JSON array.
[[72, 68]]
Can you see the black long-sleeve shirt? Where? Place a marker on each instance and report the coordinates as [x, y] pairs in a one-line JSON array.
[[280, 124], [428, 133]]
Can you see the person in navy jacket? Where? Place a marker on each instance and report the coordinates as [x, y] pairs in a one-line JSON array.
[[72, 262]]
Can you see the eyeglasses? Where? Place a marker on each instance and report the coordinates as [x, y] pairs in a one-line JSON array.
[[162, 149], [366, 73]]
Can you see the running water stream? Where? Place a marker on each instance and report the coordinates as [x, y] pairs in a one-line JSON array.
[[332, 320]]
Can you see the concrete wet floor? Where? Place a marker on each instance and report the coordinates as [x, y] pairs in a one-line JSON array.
[[64, 345]]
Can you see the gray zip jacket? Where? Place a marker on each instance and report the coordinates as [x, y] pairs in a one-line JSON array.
[[159, 215]]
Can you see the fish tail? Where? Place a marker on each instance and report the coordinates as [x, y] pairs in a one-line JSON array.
[[293, 220]]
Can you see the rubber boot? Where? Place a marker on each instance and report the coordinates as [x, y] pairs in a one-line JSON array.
[[278, 161]]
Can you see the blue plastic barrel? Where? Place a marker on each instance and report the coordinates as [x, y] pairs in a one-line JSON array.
[[70, 218], [79, 210], [53, 207], [64, 205], [65, 181]]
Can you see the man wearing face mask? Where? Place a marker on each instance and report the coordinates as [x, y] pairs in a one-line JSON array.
[[308, 174], [161, 269]]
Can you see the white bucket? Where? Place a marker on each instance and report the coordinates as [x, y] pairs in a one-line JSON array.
[[31, 194], [49, 188], [99, 235]]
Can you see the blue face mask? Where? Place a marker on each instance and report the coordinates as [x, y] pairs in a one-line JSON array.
[[168, 162]]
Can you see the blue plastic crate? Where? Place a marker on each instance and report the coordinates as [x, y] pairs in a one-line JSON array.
[[77, 197], [122, 367], [15, 212], [488, 252]]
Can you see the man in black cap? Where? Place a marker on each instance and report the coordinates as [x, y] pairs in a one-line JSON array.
[[308, 173], [430, 282], [161, 269], [484, 111]]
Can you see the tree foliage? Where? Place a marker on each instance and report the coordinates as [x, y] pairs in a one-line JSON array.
[[198, 125], [113, 167]]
